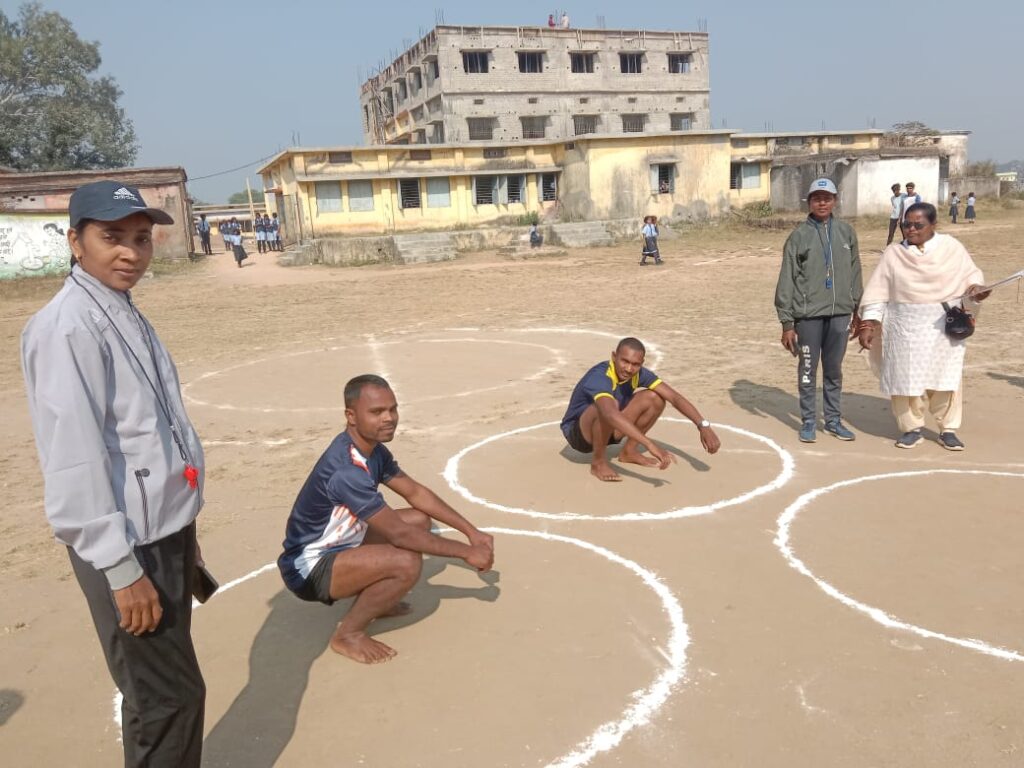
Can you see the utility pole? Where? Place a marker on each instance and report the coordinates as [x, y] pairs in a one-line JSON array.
[[252, 208]]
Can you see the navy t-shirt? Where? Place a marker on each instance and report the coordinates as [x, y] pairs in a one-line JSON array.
[[601, 381], [330, 513]]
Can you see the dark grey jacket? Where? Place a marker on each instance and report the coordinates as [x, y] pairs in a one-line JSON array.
[[804, 288]]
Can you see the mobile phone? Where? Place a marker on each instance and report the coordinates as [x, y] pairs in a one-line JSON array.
[[203, 584]]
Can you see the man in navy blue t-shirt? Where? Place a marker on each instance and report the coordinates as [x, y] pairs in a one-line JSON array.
[[343, 540], [622, 399]]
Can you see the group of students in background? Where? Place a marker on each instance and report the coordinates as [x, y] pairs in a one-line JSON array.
[[267, 229], [901, 202]]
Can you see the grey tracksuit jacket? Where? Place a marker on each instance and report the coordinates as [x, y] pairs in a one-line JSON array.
[[111, 467], [802, 290]]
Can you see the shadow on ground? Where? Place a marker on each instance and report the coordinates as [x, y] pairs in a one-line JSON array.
[[1016, 381], [10, 702], [261, 720], [863, 413]]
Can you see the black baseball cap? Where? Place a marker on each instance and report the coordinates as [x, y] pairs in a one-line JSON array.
[[110, 201]]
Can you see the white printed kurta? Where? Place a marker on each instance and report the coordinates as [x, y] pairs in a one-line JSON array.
[[917, 355], [905, 293]]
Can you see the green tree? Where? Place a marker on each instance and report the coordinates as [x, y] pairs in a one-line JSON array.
[[242, 198], [55, 113]]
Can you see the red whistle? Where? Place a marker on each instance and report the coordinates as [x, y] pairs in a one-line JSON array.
[[191, 474]]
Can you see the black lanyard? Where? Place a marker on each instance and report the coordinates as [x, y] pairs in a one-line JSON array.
[[164, 401]]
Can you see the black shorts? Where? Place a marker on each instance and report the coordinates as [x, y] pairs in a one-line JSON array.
[[317, 588], [574, 437]]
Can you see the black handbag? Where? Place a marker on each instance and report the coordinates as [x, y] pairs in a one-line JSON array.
[[959, 322]]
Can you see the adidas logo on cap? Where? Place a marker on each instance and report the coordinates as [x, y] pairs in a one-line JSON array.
[[125, 194]]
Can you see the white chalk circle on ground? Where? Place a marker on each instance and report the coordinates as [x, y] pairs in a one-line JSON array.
[[451, 476], [782, 541], [373, 347], [644, 703]]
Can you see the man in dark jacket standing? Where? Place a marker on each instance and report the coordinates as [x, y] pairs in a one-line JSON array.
[[816, 298]]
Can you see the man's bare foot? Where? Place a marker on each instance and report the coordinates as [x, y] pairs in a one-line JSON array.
[[401, 608], [361, 647], [602, 470], [632, 457]]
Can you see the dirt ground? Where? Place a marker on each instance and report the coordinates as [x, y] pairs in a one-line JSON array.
[[648, 609]]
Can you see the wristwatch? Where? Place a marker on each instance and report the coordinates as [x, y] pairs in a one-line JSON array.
[[704, 424]]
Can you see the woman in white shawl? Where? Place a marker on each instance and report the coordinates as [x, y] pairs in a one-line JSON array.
[[918, 364]]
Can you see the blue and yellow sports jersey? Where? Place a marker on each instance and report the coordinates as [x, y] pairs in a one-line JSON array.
[[601, 381], [333, 507]]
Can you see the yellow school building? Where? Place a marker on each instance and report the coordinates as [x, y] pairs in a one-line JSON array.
[[324, 192]]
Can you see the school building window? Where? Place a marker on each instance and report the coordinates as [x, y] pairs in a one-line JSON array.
[[475, 62], [548, 187], [514, 186], [740, 143], [408, 193], [581, 62], [534, 127], [360, 195], [339, 157], [438, 135], [631, 63], [531, 61], [679, 63], [435, 69], [499, 190], [847, 139], [584, 124], [328, 197], [663, 179], [633, 123], [416, 80], [744, 175], [402, 90], [480, 128], [682, 121], [439, 193], [419, 154], [485, 190]]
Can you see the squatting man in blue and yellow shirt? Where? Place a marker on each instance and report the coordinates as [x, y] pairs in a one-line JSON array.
[[622, 399], [342, 539]]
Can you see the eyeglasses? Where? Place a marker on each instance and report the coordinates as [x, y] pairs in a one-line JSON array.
[[918, 225]]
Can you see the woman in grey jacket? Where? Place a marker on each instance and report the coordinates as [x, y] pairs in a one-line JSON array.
[[123, 470]]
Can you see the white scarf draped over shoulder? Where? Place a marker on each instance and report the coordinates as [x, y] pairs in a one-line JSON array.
[[905, 274], [912, 354]]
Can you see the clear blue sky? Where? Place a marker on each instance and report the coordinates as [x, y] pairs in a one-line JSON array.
[[212, 85]]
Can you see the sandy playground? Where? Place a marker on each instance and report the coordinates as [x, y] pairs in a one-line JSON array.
[[778, 604]]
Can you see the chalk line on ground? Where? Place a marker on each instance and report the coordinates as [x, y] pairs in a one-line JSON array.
[[782, 542], [451, 476], [644, 703]]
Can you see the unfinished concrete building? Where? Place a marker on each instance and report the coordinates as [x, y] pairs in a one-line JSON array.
[[506, 84]]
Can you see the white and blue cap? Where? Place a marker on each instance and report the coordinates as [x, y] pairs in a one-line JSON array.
[[822, 185], [110, 201]]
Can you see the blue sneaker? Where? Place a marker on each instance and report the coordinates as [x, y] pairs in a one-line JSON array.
[[910, 439], [951, 442], [836, 429], [807, 432]]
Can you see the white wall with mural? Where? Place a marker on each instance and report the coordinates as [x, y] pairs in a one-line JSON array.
[[33, 244]]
